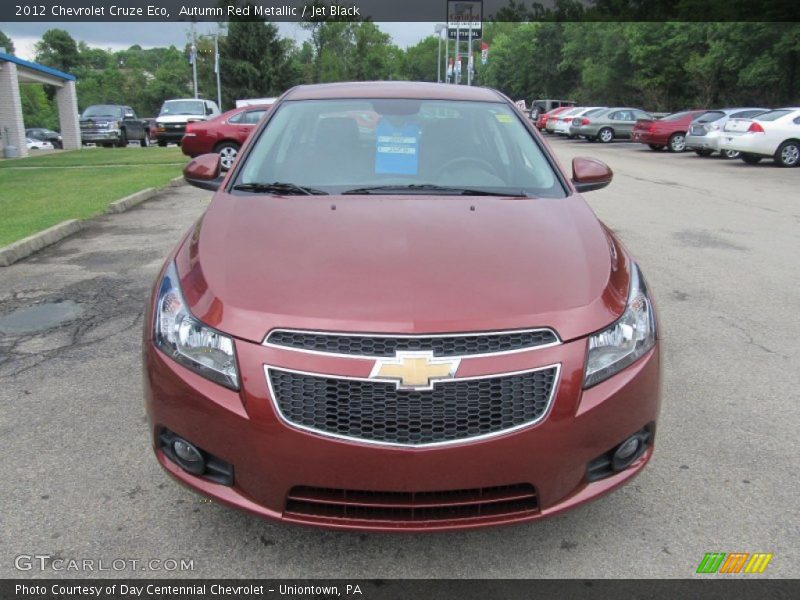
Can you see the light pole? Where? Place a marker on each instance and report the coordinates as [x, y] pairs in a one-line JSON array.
[[439, 27]]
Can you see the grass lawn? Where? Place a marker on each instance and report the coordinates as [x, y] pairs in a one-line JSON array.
[[99, 156], [34, 199]]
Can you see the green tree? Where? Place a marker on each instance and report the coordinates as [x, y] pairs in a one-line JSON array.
[[5, 42], [253, 61], [57, 49], [37, 109], [420, 60]]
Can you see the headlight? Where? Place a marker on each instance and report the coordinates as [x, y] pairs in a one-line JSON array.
[[628, 339], [186, 340]]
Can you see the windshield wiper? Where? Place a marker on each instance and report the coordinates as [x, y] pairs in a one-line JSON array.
[[278, 188], [428, 187]]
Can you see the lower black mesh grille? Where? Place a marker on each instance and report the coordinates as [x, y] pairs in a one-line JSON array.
[[418, 507], [440, 345], [379, 412]]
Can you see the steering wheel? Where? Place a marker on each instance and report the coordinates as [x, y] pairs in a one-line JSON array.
[[480, 162]]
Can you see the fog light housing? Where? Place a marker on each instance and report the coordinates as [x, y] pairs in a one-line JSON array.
[[621, 456], [192, 459]]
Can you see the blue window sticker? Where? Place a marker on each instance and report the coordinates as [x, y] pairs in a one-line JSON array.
[[397, 148]]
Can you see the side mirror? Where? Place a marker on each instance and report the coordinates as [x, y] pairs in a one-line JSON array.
[[204, 172], [209, 110], [590, 174]]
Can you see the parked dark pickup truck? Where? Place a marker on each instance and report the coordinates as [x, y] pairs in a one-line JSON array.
[[113, 125]]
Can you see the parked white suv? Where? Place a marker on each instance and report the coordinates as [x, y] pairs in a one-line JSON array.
[[175, 114]]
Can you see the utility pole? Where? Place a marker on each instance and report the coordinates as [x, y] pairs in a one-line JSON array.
[[216, 69], [438, 29], [446, 55], [193, 58]]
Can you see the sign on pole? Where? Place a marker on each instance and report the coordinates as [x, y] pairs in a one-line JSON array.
[[484, 53], [463, 15]]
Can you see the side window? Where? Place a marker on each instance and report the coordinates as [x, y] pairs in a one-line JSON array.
[[615, 116], [237, 118], [252, 117], [796, 121]]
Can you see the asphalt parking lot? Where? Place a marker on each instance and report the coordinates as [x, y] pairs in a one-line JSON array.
[[718, 241]]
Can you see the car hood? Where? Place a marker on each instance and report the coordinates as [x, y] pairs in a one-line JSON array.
[[402, 264]]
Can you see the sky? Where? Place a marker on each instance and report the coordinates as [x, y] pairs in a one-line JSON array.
[[120, 36]]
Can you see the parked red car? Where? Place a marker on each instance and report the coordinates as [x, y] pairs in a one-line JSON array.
[[669, 132], [223, 134], [541, 122], [389, 328]]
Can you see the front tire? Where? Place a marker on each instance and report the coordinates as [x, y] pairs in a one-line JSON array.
[[606, 135], [123, 140], [751, 159], [227, 154], [788, 154], [677, 142]]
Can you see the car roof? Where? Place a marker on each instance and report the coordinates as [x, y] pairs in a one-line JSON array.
[[393, 89]]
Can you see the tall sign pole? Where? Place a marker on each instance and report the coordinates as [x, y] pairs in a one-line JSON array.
[[458, 56], [464, 16], [469, 56]]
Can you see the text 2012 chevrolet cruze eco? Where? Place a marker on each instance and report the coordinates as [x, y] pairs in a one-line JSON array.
[[399, 313]]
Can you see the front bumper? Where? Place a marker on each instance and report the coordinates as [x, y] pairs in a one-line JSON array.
[[271, 457], [111, 135], [170, 136]]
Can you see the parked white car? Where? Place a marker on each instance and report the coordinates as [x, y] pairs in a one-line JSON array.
[[775, 134], [39, 145], [562, 125], [564, 117], [707, 129]]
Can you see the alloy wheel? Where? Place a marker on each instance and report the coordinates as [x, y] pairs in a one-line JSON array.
[[790, 154], [227, 154], [677, 143]]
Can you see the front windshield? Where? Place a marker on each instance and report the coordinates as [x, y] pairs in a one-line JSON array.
[[336, 146], [103, 110], [182, 107]]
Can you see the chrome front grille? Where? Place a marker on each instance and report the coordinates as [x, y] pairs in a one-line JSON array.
[[378, 412], [377, 346]]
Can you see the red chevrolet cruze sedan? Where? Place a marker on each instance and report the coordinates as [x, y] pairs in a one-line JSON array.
[[411, 321], [223, 134]]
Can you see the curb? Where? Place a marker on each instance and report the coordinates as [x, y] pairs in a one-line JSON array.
[[128, 202], [25, 247], [33, 243]]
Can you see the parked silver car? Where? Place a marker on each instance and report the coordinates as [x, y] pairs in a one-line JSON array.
[[706, 130], [607, 125]]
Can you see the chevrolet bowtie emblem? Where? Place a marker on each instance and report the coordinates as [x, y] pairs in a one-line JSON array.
[[415, 370]]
